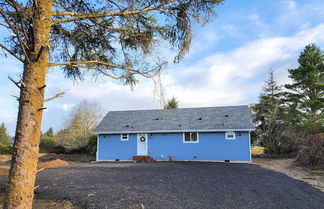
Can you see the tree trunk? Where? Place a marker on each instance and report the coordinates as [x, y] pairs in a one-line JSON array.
[[20, 188]]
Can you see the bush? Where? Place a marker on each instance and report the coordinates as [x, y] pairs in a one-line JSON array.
[[90, 148], [310, 149], [5, 148], [278, 142], [46, 144], [58, 149], [92, 145]]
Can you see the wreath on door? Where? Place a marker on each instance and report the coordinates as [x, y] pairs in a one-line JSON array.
[[142, 139]]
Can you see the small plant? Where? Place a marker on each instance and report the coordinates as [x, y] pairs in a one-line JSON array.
[[310, 149]]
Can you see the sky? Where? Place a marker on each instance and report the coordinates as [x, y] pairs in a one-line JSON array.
[[228, 62]]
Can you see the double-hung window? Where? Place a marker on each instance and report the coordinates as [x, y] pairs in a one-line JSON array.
[[124, 137], [190, 137]]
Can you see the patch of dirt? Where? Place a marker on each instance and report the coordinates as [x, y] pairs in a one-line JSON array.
[[291, 169], [4, 170], [46, 204], [53, 163], [4, 159], [67, 157], [47, 161]]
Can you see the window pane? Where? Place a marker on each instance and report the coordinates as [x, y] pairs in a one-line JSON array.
[[187, 137], [124, 136], [193, 137], [230, 135]]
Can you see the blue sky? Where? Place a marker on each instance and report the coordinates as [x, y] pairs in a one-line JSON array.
[[227, 64]]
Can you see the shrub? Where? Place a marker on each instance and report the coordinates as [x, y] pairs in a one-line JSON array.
[[90, 148], [46, 143], [92, 145], [278, 141], [58, 149], [310, 149], [5, 148]]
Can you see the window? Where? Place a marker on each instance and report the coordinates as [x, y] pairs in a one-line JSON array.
[[124, 137], [230, 135], [191, 137]]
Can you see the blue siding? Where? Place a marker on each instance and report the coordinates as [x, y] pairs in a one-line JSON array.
[[211, 146], [111, 147]]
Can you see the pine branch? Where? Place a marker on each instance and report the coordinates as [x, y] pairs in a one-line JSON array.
[[11, 52], [83, 64], [15, 30], [83, 16], [17, 6]]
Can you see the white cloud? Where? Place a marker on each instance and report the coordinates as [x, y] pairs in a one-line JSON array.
[[291, 6], [65, 107], [219, 79], [231, 30], [225, 78]]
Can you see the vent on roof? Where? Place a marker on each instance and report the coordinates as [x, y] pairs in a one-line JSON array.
[[179, 125], [156, 118], [226, 116], [127, 126], [199, 118]]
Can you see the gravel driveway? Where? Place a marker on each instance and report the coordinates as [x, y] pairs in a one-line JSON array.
[[175, 185]]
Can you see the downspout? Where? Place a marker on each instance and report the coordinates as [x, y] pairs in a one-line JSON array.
[[250, 147], [97, 153]]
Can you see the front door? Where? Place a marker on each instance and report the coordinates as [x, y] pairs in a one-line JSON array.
[[141, 144]]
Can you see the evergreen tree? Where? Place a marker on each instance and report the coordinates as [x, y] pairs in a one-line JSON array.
[[172, 103], [49, 132], [305, 98], [108, 38], [4, 136], [268, 116]]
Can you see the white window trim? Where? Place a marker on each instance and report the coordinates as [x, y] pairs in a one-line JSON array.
[[121, 137], [184, 141], [228, 133]]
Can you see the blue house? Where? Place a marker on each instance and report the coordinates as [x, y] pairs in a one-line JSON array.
[[187, 134]]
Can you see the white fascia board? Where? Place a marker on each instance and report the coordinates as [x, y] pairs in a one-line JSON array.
[[171, 131]]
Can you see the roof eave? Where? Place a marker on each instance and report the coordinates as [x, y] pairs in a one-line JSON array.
[[173, 131]]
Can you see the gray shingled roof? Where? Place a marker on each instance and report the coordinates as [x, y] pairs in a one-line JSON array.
[[181, 119]]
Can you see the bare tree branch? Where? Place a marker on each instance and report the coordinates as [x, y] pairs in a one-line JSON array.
[[83, 16], [15, 82], [12, 53], [15, 97], [55, 96]]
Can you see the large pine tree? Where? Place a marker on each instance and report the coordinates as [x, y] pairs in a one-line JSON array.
[[268, 116], [306, 93], [106, 38]]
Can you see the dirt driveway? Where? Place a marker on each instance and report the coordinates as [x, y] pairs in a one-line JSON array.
[[174, 185], [289, 167]]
